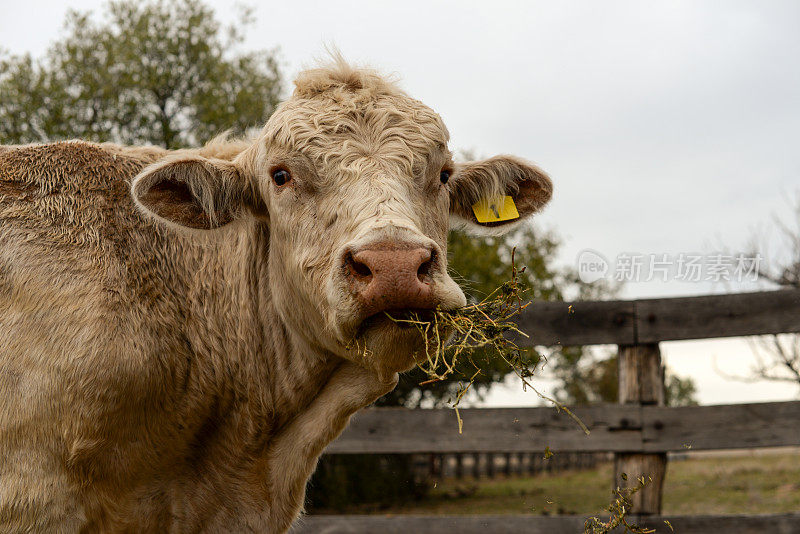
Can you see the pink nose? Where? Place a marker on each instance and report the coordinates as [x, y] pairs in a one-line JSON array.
[[391, 276]]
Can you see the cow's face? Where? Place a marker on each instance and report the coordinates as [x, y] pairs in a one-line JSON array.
[[358, 188]]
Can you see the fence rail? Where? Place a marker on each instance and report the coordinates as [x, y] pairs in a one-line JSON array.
[[613, 428], [636, 322], [639, 430], [530, 524]]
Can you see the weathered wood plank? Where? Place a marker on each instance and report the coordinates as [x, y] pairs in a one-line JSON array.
[[530, 524], [615, 428], [741, 314], [654, 320], [400, 430], [736, 426], [405, 524], [578, 323], [641, 376], [725, 524]]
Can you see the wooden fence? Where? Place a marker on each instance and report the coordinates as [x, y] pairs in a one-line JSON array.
[[493, 464], [639, 430]]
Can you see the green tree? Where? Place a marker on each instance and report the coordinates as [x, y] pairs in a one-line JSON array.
[[161, 72], [679, 391]]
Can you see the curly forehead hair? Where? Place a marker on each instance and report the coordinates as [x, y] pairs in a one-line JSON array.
[[344, 117]]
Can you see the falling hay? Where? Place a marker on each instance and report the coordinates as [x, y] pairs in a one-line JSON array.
[[619, 509]]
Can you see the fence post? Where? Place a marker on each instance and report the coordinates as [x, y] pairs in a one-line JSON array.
[[444, 466], [490, 467], [641, 381]]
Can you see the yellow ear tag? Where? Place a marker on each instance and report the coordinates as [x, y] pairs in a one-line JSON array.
[[495, 210]]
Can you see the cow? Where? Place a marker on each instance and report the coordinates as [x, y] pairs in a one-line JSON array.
[[176, 327]]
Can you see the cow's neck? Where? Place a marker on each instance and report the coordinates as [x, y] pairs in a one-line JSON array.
[[233, 324], [277, 402]]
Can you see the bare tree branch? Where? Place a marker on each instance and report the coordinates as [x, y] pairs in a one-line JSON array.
[[777, 357]]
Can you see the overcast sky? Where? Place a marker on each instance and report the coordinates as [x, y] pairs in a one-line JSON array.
[[667, 128]]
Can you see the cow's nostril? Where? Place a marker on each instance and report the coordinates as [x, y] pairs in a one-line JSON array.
[[424, 270], [356, 267]]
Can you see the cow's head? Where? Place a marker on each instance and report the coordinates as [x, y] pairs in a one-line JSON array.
[[358, 188]]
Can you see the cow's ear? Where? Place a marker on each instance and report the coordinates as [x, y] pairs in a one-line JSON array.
[[193, 192], [479, 193]]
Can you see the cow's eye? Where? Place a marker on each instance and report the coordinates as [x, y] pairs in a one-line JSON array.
[[444, 176], [281, 176]]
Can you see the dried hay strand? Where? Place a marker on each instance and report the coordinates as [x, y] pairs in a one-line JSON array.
[[619, 509]]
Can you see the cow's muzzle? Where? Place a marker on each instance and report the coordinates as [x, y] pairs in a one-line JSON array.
[[392, 277]]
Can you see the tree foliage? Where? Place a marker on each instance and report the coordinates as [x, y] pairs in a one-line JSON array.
[[160, 72]]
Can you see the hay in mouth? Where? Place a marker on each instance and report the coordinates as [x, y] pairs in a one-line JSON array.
[[452, 336]]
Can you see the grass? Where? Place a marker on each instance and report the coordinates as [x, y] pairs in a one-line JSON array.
[[744, 484]]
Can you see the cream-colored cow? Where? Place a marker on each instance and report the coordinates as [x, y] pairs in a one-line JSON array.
[[175, 327]]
